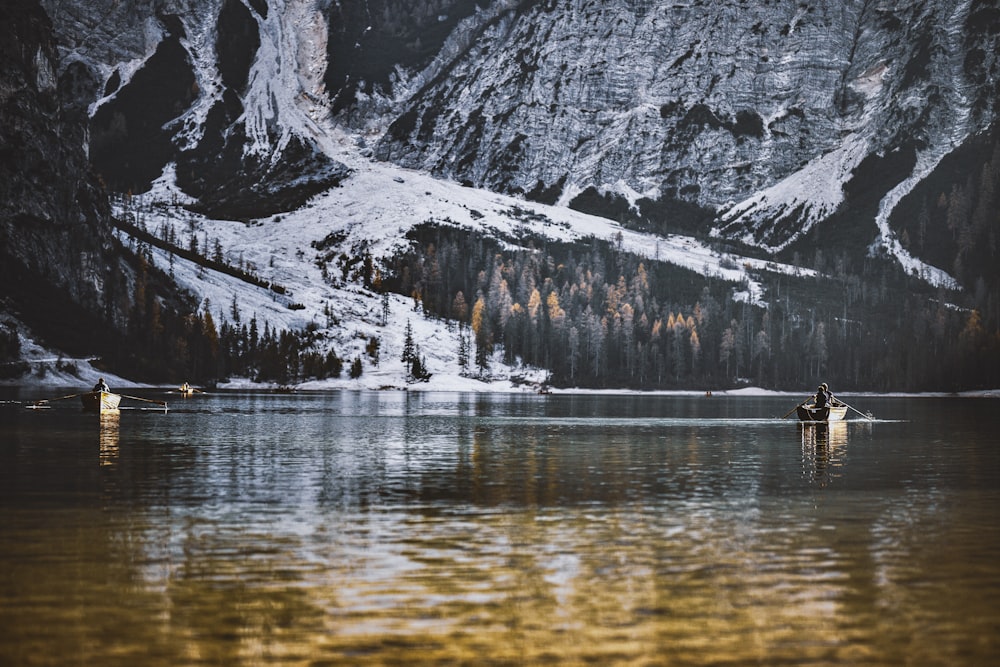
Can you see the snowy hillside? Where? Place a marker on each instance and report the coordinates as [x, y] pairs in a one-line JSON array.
[[372, 211]]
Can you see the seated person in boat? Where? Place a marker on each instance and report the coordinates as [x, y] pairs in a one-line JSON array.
[[101, 385], [831, 400], [822, 397]]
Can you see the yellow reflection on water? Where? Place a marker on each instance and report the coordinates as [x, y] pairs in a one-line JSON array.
[[556, 557], [108, 438], [824, 447], [578, 589], [559, 586]]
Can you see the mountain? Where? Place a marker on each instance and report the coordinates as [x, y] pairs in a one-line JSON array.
[[747, 117], [854, 140], [60, 265]]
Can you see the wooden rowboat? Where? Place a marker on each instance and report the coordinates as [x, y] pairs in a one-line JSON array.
[[810, 413], [100, 401]]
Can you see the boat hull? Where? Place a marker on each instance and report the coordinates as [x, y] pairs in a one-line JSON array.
[[810, 413], [100, 402]]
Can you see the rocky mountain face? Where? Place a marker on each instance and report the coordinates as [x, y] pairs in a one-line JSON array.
[[757, 110], [226, 92], [755, 113], [58, 261], [851, 128]]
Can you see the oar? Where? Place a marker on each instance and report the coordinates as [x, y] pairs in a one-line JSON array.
[[858, 411], [795, 408], [49, 400], [146, 400]]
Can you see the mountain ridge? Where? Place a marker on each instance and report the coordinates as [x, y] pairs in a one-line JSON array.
[[733, 122]]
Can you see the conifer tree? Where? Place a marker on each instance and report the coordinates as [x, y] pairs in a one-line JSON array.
[[372, 349], [459, 309], [481, 329], [408, 345], [463, 347]]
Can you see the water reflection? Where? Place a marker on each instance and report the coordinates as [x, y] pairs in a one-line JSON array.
[[824, 448], [389, 529], [108, 438]]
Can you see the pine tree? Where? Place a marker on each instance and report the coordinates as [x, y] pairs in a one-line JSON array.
[[463, 347], [459, 309], [481, 329], [372, 348], [408, 345], [367, 270], [418, 369], [573, 352]]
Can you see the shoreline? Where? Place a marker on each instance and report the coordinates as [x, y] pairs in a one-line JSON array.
[[85, 379]]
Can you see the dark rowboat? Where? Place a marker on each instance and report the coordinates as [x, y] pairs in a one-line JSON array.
[[100, 401], [810, 413]]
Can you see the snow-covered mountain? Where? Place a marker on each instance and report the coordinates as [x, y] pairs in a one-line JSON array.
[[740, 121], [760, 112]]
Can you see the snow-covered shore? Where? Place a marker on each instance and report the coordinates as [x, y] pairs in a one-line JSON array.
[[49, 370]]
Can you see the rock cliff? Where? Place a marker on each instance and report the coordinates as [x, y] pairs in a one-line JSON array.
[[58, 262], [758, 110], [226, 93]]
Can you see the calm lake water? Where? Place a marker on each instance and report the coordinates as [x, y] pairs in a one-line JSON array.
[[354, 528]]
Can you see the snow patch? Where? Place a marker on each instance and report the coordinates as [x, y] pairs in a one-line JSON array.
[[813, 193], [49, 368]]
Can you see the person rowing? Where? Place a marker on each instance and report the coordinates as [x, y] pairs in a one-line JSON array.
[[824, 397]]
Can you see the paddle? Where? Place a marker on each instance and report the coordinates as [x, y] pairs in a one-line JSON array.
[[49, 400], [859, 411], [795, 408], [146, 400]]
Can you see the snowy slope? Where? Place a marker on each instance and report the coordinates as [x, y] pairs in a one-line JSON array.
[[374, 209]]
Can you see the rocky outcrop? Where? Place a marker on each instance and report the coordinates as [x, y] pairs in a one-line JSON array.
[[63, 273], [749, 116], [59, 262], [714, 103], [215, 88]]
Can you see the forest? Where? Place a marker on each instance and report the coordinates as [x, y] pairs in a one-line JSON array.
[[598, 317], [589, 313]]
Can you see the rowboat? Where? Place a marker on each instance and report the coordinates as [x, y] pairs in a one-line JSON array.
[[100, 401], [829, 413]]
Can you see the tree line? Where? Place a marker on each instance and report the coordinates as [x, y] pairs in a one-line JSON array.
[[596, 316]]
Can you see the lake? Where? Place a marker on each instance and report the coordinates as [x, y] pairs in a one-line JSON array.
[[382, 528]]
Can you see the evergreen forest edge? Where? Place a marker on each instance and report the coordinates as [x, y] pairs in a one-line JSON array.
[[595, 316]]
